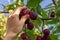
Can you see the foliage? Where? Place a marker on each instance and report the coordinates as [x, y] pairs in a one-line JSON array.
[[2, 25], [53, 25]]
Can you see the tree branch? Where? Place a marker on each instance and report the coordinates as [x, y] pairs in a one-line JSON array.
[[48, 18], [3, 11], [55, 2]]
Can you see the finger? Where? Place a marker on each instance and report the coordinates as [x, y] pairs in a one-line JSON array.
[[18, 10], [10, 11], [10, 14], [24, 18], [16, 13]]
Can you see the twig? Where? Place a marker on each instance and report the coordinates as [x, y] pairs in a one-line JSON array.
[[25, 28], [43, 19], [3, 12], [42, 27], [48, 18], [55, 2], [48, 7]]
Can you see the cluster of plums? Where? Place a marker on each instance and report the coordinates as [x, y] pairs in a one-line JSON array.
[[46, 36], [30, 26], [31, 14], [24, 36]]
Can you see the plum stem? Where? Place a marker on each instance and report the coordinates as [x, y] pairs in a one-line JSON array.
[[25, 28], [3, 12], [42, 27]]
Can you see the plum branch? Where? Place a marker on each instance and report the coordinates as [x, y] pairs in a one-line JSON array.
[[1, 11], [55, 2]]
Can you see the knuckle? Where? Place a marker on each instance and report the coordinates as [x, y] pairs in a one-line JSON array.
[[15, 15], [11, 17]]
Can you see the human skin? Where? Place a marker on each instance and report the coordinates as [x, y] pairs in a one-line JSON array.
[[14, 25]]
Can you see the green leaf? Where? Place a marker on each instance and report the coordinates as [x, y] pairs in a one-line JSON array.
[[37, 22], [33, 3], [58, 12], [10, 7], [41, 12], [30, 34], [0, 38], [51, 28], [38, 10], [19, 2], [58, 2], [18, 38], [53, 21], [53, 37], [44, 14], [58, 27]]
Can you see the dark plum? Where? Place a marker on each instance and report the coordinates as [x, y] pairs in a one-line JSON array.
[[33, 16], [52, 14], [23, 12], [38, 38], [46, 37], [23, 9], [23, 36], [46, 31], [27, 21], [26, 39], [30, 26]]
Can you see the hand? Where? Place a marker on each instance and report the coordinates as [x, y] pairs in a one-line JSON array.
[[14, 25]]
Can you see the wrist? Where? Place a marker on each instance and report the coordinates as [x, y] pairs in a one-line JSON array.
[[10, 36]]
